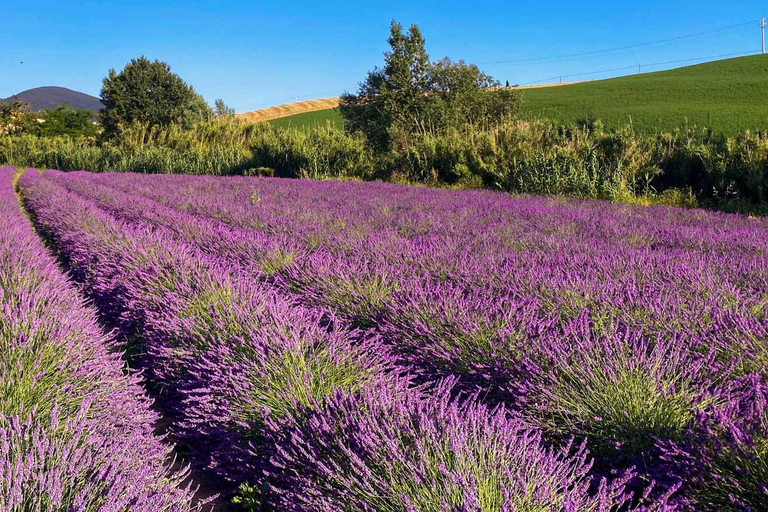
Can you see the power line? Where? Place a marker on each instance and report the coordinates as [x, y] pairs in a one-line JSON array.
[[620, 48], [576, 56], [612, 70], [573, 75]]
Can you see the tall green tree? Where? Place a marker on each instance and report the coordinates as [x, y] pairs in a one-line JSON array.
[[411, 95], [149, 93]]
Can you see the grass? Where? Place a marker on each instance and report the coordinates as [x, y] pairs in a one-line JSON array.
[[309, 120], [289, 109], [727, 96]]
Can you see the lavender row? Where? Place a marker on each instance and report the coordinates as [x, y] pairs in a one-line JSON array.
[[723, 270], [222, 351], [76, 430], [333, 208], [237, 364], [447, 324], [437, 319], [663, 322]]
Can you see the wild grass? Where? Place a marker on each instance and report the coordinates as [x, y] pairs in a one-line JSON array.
[[686, 167]]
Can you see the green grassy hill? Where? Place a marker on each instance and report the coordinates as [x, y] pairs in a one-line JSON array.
[[310, 119], [728, 96]]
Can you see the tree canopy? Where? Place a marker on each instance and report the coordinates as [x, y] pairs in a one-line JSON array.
[[14, 117], [64, 120], [411, 95], [149, 93], [221, 110]]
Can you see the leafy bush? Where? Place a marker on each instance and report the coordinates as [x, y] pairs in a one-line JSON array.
[[65, 120]]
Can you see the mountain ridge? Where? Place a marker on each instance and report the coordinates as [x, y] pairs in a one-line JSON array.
[[46, 97]]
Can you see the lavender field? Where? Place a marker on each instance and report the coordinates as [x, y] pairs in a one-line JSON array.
[[344, 346]]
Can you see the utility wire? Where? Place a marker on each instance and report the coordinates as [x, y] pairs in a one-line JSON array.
[[619, 48], [576, 56], [637, 66]]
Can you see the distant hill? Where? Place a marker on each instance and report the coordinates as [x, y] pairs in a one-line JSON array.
[[41, 98], [289, 109]]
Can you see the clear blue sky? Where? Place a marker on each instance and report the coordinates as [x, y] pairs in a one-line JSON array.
[[257, 54]]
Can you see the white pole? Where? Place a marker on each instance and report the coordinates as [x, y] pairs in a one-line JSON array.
[[762, 29]]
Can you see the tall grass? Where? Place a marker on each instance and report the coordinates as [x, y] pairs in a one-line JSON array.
[[687, 167]]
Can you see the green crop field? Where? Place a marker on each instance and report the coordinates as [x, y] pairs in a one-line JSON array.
[[728, 96], [310, 119]]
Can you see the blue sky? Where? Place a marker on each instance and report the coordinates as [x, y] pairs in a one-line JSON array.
[[257, 54]]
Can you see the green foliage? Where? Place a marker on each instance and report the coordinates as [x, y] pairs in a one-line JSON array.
[[208, 148], [221, 110], [321, 153], [65, 120], [148, 92], [251, 497], [15, 118], [412, 96], [683, 168], [727, 96]]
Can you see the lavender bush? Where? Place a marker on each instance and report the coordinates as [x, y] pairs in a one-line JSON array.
[[390, 448], [253, 303], [622, 391], [76, 431], [226, 354], [723, 459]]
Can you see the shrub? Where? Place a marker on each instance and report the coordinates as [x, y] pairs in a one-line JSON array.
[[538, 158]]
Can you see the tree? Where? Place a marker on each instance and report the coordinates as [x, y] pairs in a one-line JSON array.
[[149, 93], [462, 94], [15, 117], [221, 110], [391, 99], [411, 95], [64, 120]]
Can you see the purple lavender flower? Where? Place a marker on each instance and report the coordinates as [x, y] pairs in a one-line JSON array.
[[628, 327], [391, 447], [76, 430]]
